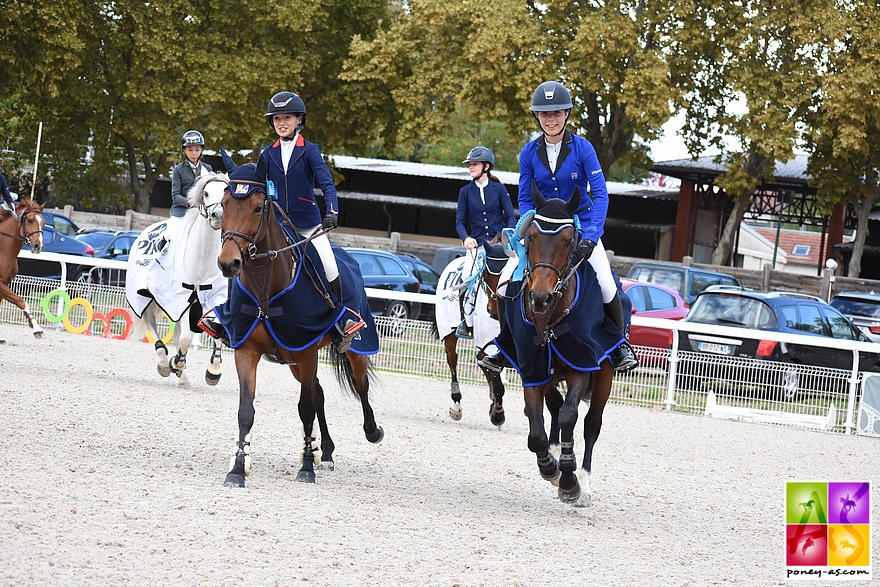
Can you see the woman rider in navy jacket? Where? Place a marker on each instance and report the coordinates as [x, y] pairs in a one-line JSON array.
[[559, 161], [293, 165], [485, 204]]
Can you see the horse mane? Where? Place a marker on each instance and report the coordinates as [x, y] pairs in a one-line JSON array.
[[24, 204], [194, 195]]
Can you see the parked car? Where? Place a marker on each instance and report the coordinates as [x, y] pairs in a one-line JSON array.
[[57, 238], [687, 281], [793, 313], [862, 308], [384, 270], [428, 280], [653, 301], [109, 245]]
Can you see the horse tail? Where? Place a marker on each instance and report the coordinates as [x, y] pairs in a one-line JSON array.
[[141, 325], [435, 330], [344, 372]]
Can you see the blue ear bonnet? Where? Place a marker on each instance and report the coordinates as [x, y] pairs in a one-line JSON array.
[[244, 181]]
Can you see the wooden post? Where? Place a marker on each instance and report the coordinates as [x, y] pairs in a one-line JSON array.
[[766, 272], [128, 219], [395, 240], [687, 260], [68, 211]]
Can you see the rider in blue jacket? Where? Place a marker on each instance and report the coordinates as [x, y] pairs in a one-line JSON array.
[[293, 165], [559, 161], [485, 205]]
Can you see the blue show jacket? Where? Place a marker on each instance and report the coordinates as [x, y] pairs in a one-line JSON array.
[[295, 186], [577, 165], [487, 219]]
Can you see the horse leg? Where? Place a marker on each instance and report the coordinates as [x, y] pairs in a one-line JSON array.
[[327, 446], [7, 293], [240, 466], [569, 485], [360, 379], [554, 404], [538, 443], [496, 394], [449, 344], [177, 364], [601, 390], [308, 371], [212, 373]]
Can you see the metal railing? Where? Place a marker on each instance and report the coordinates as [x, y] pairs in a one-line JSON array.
[[701, 383]]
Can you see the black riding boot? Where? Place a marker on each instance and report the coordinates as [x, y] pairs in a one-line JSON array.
[[623, 356], [346, 328]]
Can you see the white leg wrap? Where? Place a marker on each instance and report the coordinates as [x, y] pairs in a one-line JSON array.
[[585, 500]]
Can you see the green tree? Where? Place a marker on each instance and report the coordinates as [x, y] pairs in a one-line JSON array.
[[747, 74], [434, 57], [844, 129]]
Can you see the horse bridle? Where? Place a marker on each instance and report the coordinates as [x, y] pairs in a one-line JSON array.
[[562, 275], [206, 211], [26, 239]]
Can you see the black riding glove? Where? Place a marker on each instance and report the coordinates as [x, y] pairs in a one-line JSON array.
[[584, 249], [330, 221]]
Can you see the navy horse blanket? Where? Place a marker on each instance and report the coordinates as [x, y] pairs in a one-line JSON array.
[[299, 316], [582, 340]]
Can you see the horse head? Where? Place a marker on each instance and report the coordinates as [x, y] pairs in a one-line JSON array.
[[31, 223], [496, 259], [206, 195], [550, 238], [245, 211]]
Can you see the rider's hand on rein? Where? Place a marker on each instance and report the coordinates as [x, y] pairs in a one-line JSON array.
[[584, 250]]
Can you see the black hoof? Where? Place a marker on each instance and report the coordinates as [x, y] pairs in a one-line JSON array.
[[212, 379], [377, 436], [327, 465], [570, 495], [38, 334], [234, 480], [305, 476], [497, 418]]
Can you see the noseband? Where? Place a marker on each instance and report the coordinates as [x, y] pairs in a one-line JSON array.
[[22, 236]]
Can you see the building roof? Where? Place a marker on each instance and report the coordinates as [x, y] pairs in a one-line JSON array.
[[508, 178], [705, 169], [796, 241]]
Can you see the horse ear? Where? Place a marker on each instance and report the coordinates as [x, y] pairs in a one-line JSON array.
[[575, 201], [537, 197], [486, 246]]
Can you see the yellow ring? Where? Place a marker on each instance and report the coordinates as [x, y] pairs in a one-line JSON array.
[[89, 315]]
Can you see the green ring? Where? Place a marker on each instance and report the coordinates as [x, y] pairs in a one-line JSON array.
[[44, 303]]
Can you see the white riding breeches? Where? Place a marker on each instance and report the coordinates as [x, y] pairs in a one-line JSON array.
[[600, 264], [322, 245]]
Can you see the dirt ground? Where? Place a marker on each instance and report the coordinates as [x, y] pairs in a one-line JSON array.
[[114, 476]]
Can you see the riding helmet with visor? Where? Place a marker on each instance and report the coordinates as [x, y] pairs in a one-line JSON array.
[[480, 154], [192, 137], [286, 103], [550, 97]]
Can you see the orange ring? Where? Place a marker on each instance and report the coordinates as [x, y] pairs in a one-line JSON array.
[[128, 323]]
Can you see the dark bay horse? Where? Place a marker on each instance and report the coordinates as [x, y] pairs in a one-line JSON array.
[[27, 229], [257, 251], [564, 337], [491, 261]]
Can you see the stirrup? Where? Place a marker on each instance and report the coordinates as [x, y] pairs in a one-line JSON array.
[[212, 327], [344, 333], [496, 362], [464, 331], [624, 358]]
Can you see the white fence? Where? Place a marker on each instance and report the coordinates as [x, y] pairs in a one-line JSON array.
[[699, 383]]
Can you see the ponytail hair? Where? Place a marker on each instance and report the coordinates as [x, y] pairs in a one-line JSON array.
[[492, 177]]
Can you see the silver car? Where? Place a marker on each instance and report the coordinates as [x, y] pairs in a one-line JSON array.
[[863, 308]]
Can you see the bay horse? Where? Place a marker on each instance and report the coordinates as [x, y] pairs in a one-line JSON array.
[[172, 269], [562, 335], [257, 252], [27, 229], [483, 282]]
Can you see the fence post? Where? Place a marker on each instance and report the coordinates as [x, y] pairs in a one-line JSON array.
[[687, 260], [395, 240], [766, 272], [827, 281], [68, 211]]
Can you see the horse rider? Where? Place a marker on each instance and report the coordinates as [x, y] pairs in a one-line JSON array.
[[559, 161], [8, 201], [186, 173], [290, 166], [485, 204]]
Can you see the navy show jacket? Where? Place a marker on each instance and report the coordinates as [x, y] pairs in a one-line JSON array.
[[486, 219]]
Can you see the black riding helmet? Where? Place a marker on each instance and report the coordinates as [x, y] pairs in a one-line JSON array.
[[286, 103], [480, 154], [550, 97]]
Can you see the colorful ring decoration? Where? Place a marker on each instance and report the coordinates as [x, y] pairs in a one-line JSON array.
[[90, 312], [44, 303], [109, 320]]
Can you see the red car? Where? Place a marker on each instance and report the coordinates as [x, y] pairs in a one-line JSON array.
[[653, 301]]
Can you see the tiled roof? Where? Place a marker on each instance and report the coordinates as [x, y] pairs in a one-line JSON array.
[[789, 239]]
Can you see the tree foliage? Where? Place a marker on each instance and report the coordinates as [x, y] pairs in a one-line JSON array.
[[843, 131]]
